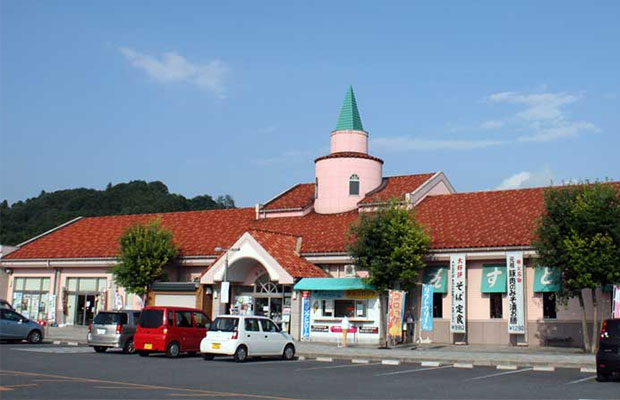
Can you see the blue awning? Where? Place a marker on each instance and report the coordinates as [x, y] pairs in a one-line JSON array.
[[332, 284]]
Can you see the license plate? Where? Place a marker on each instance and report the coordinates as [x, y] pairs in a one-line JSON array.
[[148, 346], [100, 331], [215, 346]]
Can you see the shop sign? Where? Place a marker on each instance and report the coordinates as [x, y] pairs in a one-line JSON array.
[[516, 276], [437, 277], [396, 309], [369, 329], [360, 294], [427, 308], [305, 331], [338, 329], [616, 305], [458, 284], [225, 289], [547, 279], [319, 328], [328, 294]]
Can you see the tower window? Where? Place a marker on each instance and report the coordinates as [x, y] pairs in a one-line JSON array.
[[316, 188], [354, 185]]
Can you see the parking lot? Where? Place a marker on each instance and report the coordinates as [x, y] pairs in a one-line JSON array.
[[49, 371]]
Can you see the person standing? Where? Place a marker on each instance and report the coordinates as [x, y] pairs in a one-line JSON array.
[[345, 325]]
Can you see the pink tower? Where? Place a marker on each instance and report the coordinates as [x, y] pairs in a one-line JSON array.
[[345, 175]]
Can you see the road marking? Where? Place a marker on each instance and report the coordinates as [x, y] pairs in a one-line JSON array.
[[124, 388], [390, 362], [545, 368], [325, 359], [413, 370], [498, 374], [582, 380], [154, 387], [6, 388], [57, 350], [337, 366], [508, 367], [359, 361], [430, 364], [589, 370], [463, 365], [258, 362]]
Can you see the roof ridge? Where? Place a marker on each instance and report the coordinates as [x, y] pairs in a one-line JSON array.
[[404, 176], [273, 232], [169, 213]]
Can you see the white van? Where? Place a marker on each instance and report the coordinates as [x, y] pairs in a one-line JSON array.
[[246, 336]]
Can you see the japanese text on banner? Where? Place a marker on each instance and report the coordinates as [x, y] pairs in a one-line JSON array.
[[458, 275], [516, 276]]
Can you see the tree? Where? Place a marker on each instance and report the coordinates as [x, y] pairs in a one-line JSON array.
[[145, 251], [579, 233], [390, 244]]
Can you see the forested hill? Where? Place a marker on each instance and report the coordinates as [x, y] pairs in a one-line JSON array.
[[26, 219]]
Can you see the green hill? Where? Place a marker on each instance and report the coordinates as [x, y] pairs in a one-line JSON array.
[[26, 219]]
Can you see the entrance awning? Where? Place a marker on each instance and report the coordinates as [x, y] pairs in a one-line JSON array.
[[332, 284]]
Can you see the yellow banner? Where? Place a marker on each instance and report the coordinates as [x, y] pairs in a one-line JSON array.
[[360, 294], [395, 314]]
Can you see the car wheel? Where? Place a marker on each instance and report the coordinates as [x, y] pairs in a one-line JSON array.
[[128, 348], [602, 377], [207, 356], [143, 353], [241, 354], [100, 349], [289, 352], [173, 350], [34, 337]]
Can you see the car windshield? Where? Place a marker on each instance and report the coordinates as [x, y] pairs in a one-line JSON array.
[[152, 318], [108, 318], [225, 324]]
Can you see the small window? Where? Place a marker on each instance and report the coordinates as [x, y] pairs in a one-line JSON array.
[[184, 319], [170, 318], [354, 185], [225, 324], [327, 308], [200, 319], [151, 318], [437, 305], [251, 325], [549, 311], [316, 188], [496, 305]]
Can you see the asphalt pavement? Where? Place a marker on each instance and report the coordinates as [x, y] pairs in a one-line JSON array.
[[77, 372]]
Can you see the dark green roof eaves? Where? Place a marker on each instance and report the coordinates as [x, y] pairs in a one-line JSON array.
[[349, 114]]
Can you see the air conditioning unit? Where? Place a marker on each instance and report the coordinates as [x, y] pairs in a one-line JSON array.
[[349, 270]]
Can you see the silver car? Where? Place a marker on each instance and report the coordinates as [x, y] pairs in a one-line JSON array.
[[113, 329], [14, 326]]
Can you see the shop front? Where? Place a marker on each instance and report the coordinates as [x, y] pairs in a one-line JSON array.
[[83, 297], [326, 301], [31, 297]]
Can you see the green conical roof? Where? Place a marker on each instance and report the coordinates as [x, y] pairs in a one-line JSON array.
[[349, 114]]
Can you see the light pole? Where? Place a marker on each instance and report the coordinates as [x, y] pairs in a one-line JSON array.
[[225, 283]]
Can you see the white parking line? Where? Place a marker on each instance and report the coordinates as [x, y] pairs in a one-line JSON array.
[[498, 374], [582, 380], [413, 370], [338, 366]]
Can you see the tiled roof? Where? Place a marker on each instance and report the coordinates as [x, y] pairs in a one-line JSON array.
[[349, 154], [395, 186], [299, 196], [195, 232], [282, 247], [482, 219]]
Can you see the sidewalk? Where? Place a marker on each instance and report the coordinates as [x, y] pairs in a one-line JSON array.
[[479, 355]]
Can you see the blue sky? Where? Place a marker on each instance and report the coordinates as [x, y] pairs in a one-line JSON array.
[[239, 98]]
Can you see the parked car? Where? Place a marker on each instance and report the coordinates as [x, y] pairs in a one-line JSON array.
[[113, 329], [5, 305], [246, 336], [172, 330], [14, 326], [608, 355]]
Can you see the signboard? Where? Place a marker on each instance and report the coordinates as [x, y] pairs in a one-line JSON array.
[[516, 276], [615, 311], [305, 316], [547, 279], [225, 289], [458, 284], [396, 311], [51, 310], [427, 307], [438, 277], [493, 279]]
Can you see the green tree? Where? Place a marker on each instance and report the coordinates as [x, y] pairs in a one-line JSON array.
[[390, 244], [579, 232], [144, 252]]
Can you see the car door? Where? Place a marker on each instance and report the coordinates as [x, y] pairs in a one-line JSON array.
[[253, 337], [183, 325], [201, 322], [271, 336], [14, 326]]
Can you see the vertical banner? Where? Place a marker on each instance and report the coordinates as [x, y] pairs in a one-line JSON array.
[[427, 307], [51, 309], [305, 314], [225, 290], [458, 286], [396, 309], [615, 310], [516, 275]]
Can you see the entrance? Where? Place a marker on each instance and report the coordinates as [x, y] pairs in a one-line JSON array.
[[270, 307], [85, 309]]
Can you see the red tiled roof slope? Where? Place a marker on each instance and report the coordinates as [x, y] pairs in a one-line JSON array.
[[396, 186], [349, 154], [195, 232], [299, 196], [282, 247], [482, 219]]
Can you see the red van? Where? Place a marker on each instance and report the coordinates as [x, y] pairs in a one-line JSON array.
[[172, 330]]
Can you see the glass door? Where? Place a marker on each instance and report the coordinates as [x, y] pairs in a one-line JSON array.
[[85, 309]]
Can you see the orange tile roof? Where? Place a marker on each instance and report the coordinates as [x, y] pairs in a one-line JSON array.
[[349, 154], [395, 186], [299, 196], [282, 247]]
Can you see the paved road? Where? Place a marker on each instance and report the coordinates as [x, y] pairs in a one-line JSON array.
[[53, 372]]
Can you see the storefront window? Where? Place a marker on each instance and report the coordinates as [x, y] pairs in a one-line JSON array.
[[30, 297], [351, 308], [496, 305], [85, 296], [549, 311], [437, 305]]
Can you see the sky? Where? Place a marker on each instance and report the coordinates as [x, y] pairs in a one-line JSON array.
[[240, 97]]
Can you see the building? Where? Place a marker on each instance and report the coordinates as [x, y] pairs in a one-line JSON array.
[[291, 250]]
